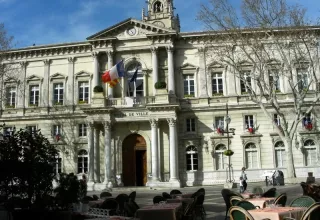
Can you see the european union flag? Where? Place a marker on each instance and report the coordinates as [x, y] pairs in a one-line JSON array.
[[134, 76]]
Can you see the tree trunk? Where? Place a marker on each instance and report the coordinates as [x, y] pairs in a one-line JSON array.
[[290, 166]]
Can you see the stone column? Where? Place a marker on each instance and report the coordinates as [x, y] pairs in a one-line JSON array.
[[110, 65], [154, 149], [173, 150], [91, 152], [96, 74], [155, 73], [203, 91], [171, 83], [44, 97], [96, 155], [107, 153], [70, 83], [21, 87]]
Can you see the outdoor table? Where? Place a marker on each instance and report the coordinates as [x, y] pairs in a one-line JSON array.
[[96, 203], [167, 211], [261, 201], [247, 195], [277, 213], [180, 200]]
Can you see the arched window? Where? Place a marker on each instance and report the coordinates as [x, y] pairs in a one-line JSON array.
[[82, 161], [157, 7], [280, 153], [220, 158], [251, 155], [310, 153], [192, 158], [135, 81]]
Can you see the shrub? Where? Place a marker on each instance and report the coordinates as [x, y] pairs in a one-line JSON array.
[[228, 152], [160, 85], [98, 89]]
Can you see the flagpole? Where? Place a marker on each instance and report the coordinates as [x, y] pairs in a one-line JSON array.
[[135, 89]]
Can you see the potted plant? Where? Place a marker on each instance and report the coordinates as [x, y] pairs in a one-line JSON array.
[[98, 89], [228, 153], [160, 85]]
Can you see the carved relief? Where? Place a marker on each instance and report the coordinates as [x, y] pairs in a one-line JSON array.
[[133, 127], [171, 122], [71, 59], [153, 122]]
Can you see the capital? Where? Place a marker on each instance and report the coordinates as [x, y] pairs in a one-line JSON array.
[[201, 49], [171, 122], [107, 124], [153, 122], [154, 49], [23, 64], [90, 123], [170, 48], [46, 62], [109, 53], [94, 54], [71, 59]]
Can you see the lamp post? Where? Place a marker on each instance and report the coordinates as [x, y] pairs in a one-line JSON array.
[[230, 179]]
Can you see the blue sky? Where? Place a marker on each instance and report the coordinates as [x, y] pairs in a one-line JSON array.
[[60, 21]]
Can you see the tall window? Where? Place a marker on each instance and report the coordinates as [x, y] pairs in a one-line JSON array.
[[31, 128], [220, 158], [11, 96], [302, 75], [251, 155], [192, 158], [310, 153], [56, 132], [83, 92], [57, 165], [58, 91], [7, 131], [82, 161], [188, 85], [34, 95], [219, 122], [217, 83], [136, 87], [248, 120], [280, 153], [276, 119], [82, 130], [274, 79], [191, 124], [245, 82]]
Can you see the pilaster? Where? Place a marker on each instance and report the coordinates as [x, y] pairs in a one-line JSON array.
[[96, 155], [173, 142], [154, 149], [107, 153], [110, 65], [155, 73], [171, 80], [203, 91], [70, 82], [21, 87], [90, 127], [44, 96], [96, 79]]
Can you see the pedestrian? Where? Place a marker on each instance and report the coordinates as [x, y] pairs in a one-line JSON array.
[[241, 184], [244, 178]]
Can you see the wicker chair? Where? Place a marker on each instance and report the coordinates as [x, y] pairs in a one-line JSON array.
[[201, 190], [132, 196], [199, 208], [302, 201], [158, 199], [257, 190], [235, 199], [189, 211], [312, 213], [110, 204], [122, 199], [227, 194], [175, 191], [270, 193], [304, 187], [166, 195], [246, 205], [238, 213], [105, 194], [281, 200]]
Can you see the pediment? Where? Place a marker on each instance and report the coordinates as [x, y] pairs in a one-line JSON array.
[[34, 78], [83, 73], [57, 76], [119, 31], [215, 64], [188, 66]]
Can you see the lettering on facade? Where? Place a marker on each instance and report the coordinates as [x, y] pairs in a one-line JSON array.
[[129, 114]]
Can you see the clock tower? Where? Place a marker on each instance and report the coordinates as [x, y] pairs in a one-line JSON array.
[[161, 13]]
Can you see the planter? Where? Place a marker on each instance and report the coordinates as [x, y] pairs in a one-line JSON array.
[[228, 153]]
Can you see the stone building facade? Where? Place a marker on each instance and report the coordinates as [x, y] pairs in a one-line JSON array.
[[159, 137]]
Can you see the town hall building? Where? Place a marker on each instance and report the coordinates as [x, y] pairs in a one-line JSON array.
[[135, 134]]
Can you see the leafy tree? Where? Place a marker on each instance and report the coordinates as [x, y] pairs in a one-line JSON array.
[[26, 165], [273, 39]]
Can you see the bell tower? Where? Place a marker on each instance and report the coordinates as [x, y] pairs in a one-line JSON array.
[[161, 13]]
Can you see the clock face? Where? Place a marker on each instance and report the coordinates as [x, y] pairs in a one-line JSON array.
[[131, 31], [159, 23]]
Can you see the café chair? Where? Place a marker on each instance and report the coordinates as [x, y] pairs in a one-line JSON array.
[[312, 213], [132, 196], [105, 194], [166, 195], [199, 208], [111, 205], [226, 195], [235, 199], [122, 199], [247, 205], [189, 211], [270, 193], [237, 212], [158, 199], [175, 191], [302, 201], [257, 190], [281, 200]]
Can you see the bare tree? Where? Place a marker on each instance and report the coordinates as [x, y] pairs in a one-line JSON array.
[[262, 42]]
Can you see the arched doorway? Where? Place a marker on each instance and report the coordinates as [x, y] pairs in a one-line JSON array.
[[134, 161]]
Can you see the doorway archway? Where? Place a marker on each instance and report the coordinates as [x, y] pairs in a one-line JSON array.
[[134, 161]]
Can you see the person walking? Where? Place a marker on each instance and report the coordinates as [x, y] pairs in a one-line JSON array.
[[244, 178]]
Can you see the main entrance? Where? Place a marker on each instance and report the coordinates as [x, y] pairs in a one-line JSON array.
[[134, 161]]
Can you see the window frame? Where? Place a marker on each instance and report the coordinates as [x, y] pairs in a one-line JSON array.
[[216, 78], [246, 75], [246, 125], [11, 102], [194, 158], [82, 130], [191, 125], [82, 98], [84, 157], [282, 149], [59, 101], [306, 156], [246, 150], [189, 78], [224, 158], [36, 97]]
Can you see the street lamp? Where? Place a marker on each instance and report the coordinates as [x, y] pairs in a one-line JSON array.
[[230, 179]]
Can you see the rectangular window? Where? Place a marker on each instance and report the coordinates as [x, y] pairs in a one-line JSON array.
[[34, 95], [191, 124], [192, 162], [135, 88], [302, 76], [58, 91], [252, 159], [245, 82], [11, 97], [83, 164], [57, 166], [31, 128], [56, 130], [217, 83], [83, 92], [248, 120], [188, 85], [274, 80], [82, 130], [276, 119], [219, 122], [7, 131]]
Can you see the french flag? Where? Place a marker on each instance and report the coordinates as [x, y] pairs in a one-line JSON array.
[[115, 72]]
